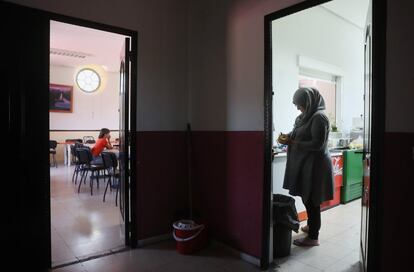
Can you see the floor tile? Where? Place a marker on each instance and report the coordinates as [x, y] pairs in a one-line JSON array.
[[316, 259], [81, 224], [339, 242], [292, 265]]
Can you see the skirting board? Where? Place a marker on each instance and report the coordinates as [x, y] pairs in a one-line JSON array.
[[244, 256], [154, 239]]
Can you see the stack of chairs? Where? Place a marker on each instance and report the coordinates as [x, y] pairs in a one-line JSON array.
[[88, 140]]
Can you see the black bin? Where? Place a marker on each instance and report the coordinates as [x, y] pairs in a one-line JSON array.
[[285, 220]]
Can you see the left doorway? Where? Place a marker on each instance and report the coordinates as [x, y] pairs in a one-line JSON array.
[[84, 97], [25, 77]]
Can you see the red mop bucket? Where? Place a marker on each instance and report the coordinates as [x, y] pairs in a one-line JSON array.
[[190, 236]]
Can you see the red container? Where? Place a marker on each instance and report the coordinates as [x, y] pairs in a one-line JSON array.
[[337, 163], [333, 202], [190, 237]]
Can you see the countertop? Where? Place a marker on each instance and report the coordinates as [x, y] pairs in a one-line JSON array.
[[333, 154]]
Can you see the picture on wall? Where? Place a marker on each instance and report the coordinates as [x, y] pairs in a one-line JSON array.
[[60, 98]]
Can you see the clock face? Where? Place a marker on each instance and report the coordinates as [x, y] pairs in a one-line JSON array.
[[88, 80]]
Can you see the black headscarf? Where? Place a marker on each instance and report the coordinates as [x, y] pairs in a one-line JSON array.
[[311, 100]]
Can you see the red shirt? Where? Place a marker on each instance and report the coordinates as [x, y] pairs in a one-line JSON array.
[[99, 146]]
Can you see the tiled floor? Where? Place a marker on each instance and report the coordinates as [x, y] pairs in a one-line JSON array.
[[163, 257], [339, 243], [82, 225]]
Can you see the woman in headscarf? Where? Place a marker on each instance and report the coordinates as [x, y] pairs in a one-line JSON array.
[[309, 168]]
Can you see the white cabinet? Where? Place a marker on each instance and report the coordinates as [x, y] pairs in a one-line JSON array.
[[278, 172]]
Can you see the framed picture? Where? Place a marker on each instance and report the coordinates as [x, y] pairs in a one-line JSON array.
[[60, 98]]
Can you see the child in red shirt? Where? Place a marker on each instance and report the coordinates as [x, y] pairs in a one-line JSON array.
[[102, 143]]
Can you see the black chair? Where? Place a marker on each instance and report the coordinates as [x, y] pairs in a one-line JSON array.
[[75, 160], [52, 151], [88, 140], [73, 141], [85, 158], [110, 163]]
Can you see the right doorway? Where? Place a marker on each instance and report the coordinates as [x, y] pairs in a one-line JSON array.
[[327, 47]]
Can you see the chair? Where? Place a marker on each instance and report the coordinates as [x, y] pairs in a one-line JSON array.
[[75, 160], [76, 144], [52, 151], [69, 142], [84, 156], [110, 163], [88, 140]]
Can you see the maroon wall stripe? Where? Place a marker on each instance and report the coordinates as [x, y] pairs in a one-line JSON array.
[[228, 184], [161, 180], [227, 181], [398, 191]]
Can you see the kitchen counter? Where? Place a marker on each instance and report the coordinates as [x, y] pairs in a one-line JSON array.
[[278, 172], [333, 154]]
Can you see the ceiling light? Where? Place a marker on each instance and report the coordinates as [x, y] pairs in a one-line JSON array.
[[69, 53]]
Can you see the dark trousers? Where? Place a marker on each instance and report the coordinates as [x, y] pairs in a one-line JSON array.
[[314, 219]]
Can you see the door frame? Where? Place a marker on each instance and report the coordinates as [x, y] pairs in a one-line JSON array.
[[132, 108], [378, 127], [46, 15]]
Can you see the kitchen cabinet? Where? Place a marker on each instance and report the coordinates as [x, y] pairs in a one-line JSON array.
[[278, 172], [352, 186], [337, 164]]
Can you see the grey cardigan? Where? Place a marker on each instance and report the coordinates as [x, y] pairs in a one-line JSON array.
[[309, 167]]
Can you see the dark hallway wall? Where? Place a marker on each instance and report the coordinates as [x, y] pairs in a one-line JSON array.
[[228, 168], [398, 153], [162, 180], [226, 82], [24, 74]]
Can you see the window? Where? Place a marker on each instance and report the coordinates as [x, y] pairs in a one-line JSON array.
[[328, 90], [88, 80]]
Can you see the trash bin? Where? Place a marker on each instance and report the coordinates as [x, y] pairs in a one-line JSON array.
[[285, 220]]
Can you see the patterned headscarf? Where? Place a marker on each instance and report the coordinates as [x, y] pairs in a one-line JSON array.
[[311, 100]]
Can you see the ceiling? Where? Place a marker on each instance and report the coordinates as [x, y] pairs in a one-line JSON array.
[[91, 46], [354, 11]]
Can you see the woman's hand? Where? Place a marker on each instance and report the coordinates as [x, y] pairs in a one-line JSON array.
[[283, 139]]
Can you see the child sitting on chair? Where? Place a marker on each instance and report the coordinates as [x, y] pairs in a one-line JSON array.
[[102, 143]]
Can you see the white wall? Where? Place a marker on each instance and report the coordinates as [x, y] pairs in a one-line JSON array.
[[162, 51], [226, 69], [90, 111], [320, 35]]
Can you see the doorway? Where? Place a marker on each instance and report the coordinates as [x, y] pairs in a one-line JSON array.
[[307, 68], [28, 87], [87, 94]]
